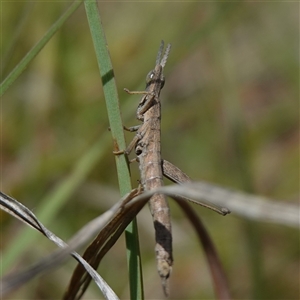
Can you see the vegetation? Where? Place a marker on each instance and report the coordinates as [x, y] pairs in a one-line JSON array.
[[229, 116]]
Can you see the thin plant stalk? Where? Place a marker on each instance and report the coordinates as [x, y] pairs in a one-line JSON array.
[[116, 127]]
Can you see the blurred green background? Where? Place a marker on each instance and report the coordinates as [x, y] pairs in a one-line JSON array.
[[230, 116]]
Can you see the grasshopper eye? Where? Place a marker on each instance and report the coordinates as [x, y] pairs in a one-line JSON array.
[[149, 77]]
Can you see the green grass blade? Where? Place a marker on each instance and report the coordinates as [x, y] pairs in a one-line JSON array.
[[116, 126], [18, 70]]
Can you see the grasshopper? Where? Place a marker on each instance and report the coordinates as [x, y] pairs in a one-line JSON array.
[[146, 144]]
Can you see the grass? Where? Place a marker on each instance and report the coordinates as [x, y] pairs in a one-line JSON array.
[[229, 117]]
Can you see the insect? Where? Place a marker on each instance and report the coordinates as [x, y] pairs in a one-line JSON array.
[[147, 149], [146, 144]]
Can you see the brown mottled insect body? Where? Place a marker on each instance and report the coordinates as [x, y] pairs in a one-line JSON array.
[[146, 143], [147, 148]]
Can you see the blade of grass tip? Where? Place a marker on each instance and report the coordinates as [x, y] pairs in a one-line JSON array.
[[18, 70], [115, 122], [54, 201]]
